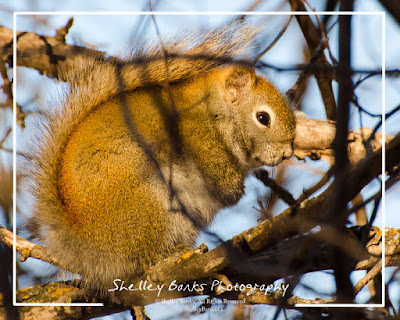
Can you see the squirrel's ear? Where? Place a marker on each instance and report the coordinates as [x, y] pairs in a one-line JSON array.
[[238, 83]]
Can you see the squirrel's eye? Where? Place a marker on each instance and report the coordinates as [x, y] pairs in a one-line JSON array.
[[263, 118]]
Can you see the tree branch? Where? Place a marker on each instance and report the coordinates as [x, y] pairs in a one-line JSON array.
[[313, 40], [50, 55], [25, 248], [65, 292], [314, 139], [393, 7]]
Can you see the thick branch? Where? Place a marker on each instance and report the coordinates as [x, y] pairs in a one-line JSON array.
[[59, 292], [50, 55], [314, 139]]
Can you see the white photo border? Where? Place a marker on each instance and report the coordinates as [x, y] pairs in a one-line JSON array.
[[73, 13]]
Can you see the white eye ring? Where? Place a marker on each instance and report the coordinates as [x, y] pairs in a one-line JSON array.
[[262, 113]]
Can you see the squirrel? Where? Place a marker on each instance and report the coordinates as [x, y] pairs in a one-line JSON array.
[[144, 152]]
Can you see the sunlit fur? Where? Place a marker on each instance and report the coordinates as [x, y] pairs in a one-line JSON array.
[[103, 208]]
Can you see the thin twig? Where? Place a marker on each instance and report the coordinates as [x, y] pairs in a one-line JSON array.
[[5, 136], [276, 39], [282, 193], [308, 192]]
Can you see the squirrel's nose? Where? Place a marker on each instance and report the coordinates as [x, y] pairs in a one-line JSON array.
[[287, 152]]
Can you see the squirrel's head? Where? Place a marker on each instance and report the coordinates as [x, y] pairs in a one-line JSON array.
[[265, 123]]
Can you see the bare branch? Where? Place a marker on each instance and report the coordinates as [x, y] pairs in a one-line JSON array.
[[314, 139], [393, 7], [66, 292], [50, 55], [313, 40], [276, 39], [25, 248]]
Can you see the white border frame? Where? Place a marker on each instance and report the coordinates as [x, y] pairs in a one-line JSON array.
[[141, 13]]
